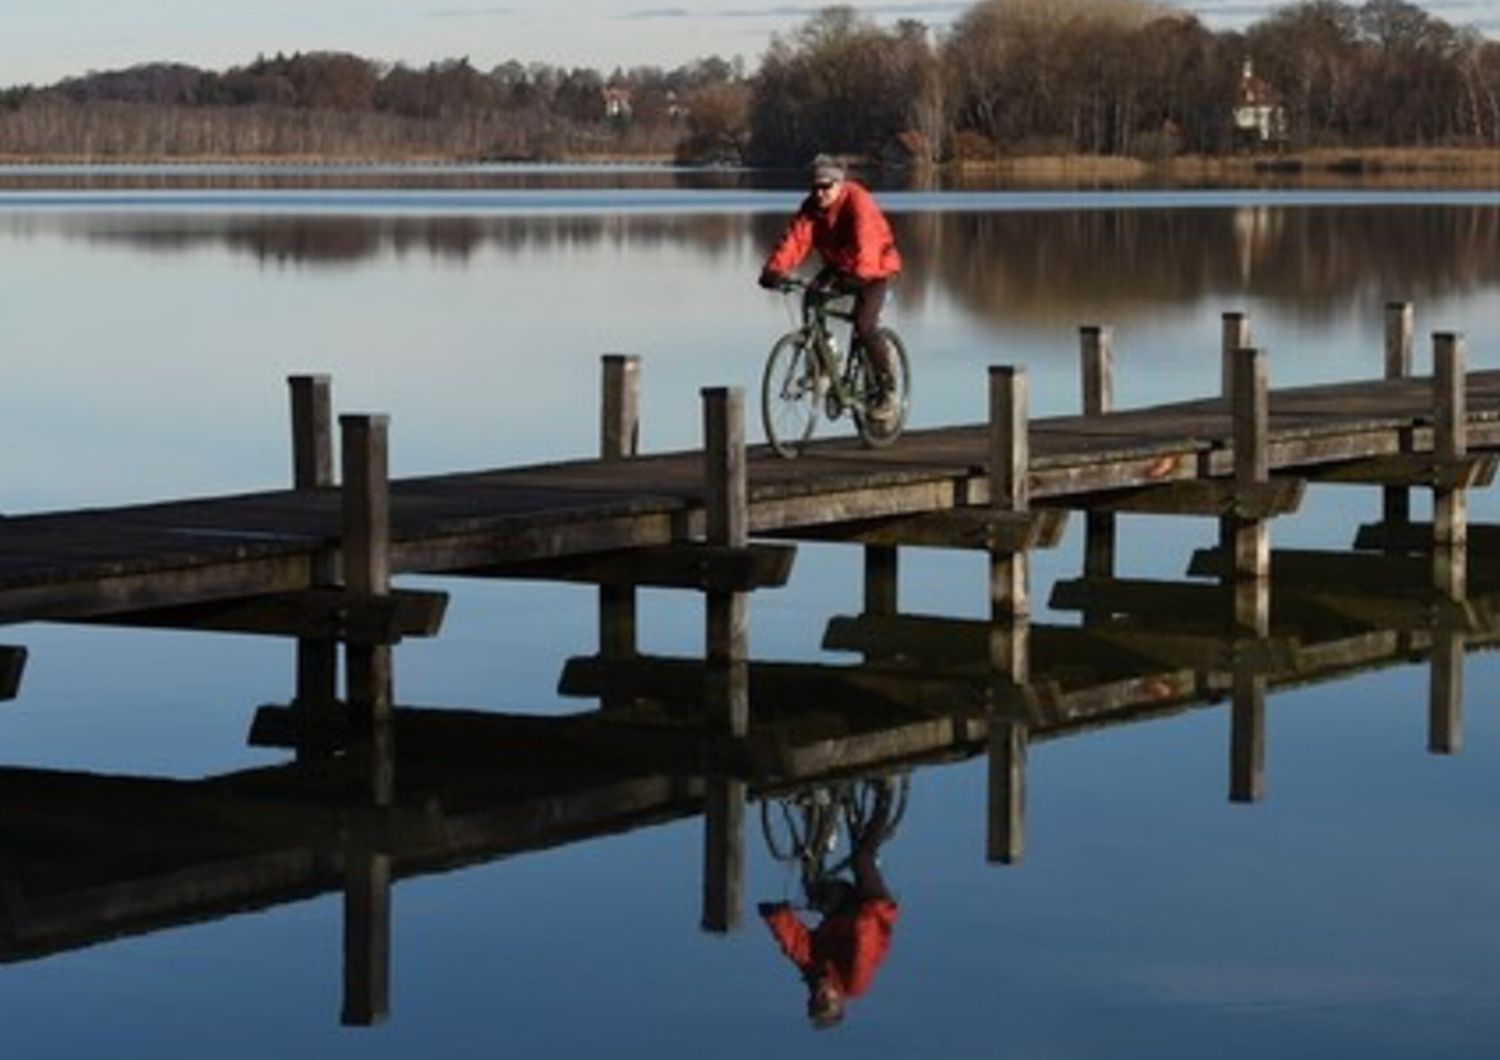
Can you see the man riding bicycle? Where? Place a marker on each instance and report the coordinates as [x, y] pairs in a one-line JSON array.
[[840, 220]]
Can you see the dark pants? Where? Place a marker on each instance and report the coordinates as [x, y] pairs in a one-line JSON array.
[[869, 299]]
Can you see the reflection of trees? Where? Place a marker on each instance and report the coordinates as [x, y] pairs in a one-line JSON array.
[[1013, 266], [1120, 263]]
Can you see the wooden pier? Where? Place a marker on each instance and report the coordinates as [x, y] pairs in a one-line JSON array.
[[315, 562]]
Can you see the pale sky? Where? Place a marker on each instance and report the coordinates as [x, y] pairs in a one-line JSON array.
[[42, 41]]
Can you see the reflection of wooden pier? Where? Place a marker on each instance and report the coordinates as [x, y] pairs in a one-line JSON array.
[[377, 792], [89, 858]]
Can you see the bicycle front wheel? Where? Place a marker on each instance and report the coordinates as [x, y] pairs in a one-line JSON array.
[[790, 392], [875, 431]]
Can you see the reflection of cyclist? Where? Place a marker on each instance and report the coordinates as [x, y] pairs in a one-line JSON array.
[[838, 958], [840, 220]]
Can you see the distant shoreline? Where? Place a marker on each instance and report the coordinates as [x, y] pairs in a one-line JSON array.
[[1467, 166]]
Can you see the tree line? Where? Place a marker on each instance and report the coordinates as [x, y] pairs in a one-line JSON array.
[[1009, 77]]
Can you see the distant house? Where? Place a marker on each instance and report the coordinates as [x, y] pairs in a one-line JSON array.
[[617, 102], [1259, 117]]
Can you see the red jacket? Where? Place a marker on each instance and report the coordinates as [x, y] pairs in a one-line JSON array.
[[852, 236], [851, 945]]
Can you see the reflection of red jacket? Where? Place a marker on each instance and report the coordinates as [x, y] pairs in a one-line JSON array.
[[851, 235], [851, 944]]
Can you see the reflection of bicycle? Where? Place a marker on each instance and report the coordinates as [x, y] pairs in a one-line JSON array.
[[805, 375], [808, 828]]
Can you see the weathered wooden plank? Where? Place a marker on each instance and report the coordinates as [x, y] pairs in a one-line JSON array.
[[1197, 497], [962, 528], [1411, 470]]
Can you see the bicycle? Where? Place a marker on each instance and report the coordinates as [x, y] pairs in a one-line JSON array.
[[805, 375], [808, 827]]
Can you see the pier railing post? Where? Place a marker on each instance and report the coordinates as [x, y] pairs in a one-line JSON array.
[[1395, 501], [1097, 355], [366, 554], [1234, 334], [1009, 464], [619, 439], [312, 469], [1450, 505], [726, 522]]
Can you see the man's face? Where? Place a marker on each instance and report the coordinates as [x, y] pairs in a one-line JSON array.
[[827, 191]]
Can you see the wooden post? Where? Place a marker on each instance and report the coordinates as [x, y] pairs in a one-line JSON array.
[[726, 522], [619, 439], [620, 427], [1009, 463], [1098, 398], [1251, 537], [1234, 335], [366, 555], [1395, 501], [1450, 506], [882, 565], [312, 469], [312, 431]]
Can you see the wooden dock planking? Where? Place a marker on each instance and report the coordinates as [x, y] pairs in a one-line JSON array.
[[97, 560]]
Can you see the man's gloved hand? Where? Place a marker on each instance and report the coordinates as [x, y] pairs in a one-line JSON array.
[[770, 279]]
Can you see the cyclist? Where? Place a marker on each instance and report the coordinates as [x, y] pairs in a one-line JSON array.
[[840, 220]]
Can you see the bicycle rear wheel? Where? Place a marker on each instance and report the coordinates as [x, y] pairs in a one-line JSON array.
[[874, 431], [790, 393]]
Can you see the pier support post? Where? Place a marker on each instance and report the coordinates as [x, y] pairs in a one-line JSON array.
[[366, 555], [1009, 465], [1251, 537], [726, 523], [882, 570], [619, 439], [1395, 501], [1450, 505], [1097, 354], [312, 469]]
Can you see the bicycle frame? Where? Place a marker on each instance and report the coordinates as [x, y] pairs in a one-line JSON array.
[[837, 368]]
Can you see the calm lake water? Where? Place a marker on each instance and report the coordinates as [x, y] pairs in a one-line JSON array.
[[148, 334]]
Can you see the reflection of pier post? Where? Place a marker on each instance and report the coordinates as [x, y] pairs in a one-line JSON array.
[[1396, 500], [367, 878], [727, 692], [619, 439], [1009, 462], [1450, 443], [1446, 684], [312, 469], [1098, 398], [882, 570]]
